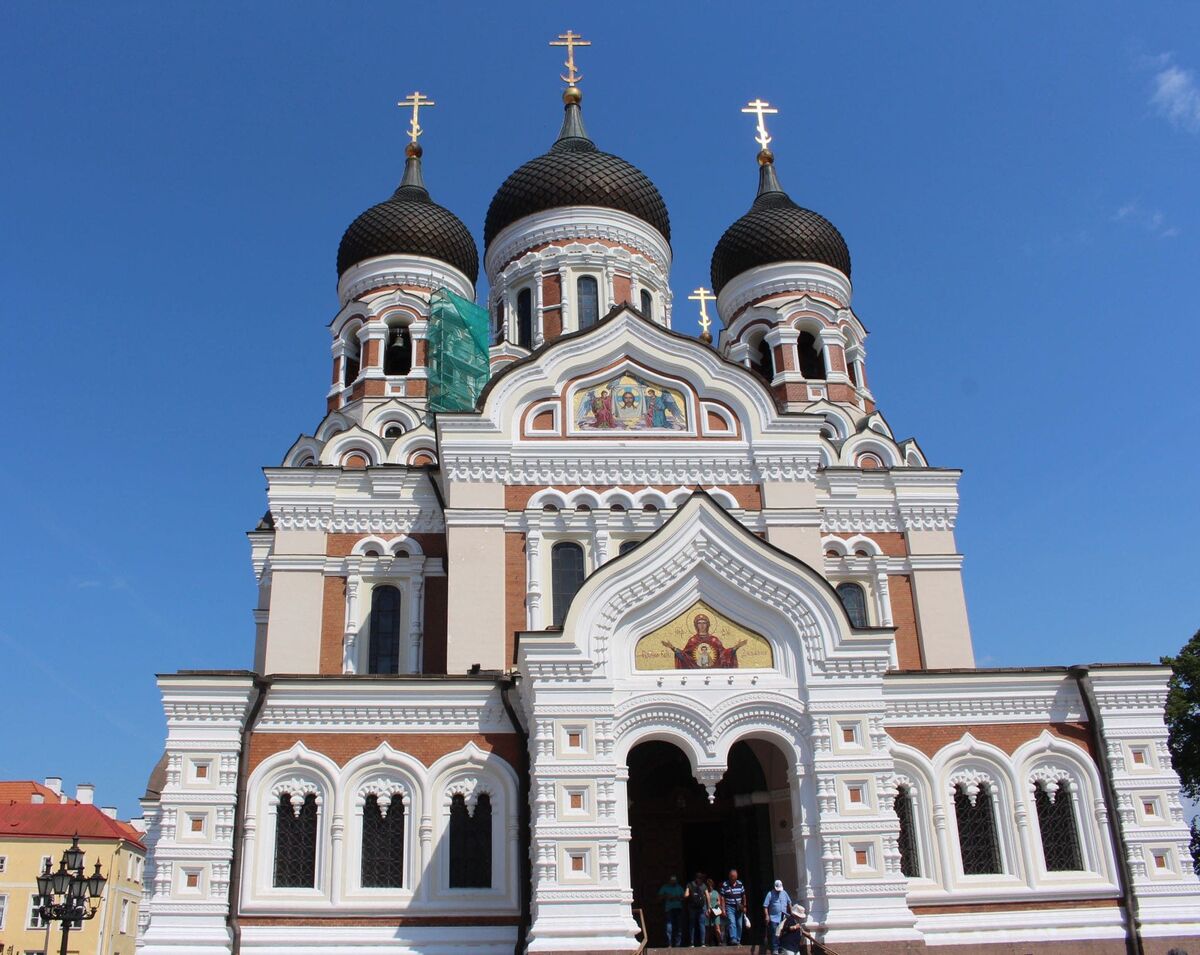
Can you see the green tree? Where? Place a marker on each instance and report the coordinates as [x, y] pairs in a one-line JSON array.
[[1183, 725]]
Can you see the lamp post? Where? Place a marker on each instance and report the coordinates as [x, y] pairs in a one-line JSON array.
[[78, 895]]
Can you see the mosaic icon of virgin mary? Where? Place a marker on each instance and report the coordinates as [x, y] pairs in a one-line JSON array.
[[704, 650]]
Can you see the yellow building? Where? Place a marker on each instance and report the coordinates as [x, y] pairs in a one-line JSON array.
[[37, 822]]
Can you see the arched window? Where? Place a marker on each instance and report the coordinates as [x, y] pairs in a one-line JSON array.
[[647, 304], [762, 359], [383, 843], [910, 864], [296, 843], [854, 599], [566, 566], [397, 360], [812, 361], [627, 546], [471, 843], [385, 631], [852, 370], [587, 296], [1060, 831], [976, 830], [498, 336], [525, 318], [351, 359]]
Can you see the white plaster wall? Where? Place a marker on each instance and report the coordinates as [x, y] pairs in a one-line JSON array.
[[942, 618], [294, 628], [475, 624]]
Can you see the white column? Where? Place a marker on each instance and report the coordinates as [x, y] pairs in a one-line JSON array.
[[539, 327], [610, 289], [564, 283], [350, 638], [415, 623], [828, 338], [883, 598], [533, 572]]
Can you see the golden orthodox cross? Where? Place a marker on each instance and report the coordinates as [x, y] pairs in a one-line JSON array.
[[760, 109], [416, 100], [703, 296], [571, 40]]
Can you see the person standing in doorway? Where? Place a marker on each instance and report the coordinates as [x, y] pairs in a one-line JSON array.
[[697, 910], [791, 932], [733, 899], [775, 907], [715, 910], [672, 898]]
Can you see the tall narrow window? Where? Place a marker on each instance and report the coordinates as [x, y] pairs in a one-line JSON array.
[[566, 566], [852, 369], [471, 844], [812, 361], [854, 599], [587, 295], [1060, 832], [647, 304], [976, 831], [296, 843], [397, 360], [351, 359], [525, 318], [910, 864], [383, 843], [763, 359], [385, 631], [498, 336]]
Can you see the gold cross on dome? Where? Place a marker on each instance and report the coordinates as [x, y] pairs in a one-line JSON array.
[[571, 40], [703, 296], [416, 100], [761, 109]]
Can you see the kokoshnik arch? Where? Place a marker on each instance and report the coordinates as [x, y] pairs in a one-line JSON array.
[[490, 643]]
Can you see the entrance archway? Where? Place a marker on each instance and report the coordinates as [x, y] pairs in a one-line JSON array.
[[675, 830]]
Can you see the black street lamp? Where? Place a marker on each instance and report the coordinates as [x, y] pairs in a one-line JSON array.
[[80, 894]]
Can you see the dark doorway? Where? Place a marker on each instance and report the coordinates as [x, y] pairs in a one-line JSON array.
[[676, 831]]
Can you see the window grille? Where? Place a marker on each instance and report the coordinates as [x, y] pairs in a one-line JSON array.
[[296, 843], [525, 318], [385, 630], [647, 304], [383, 844], [588, 297], [471, 844], [910, 864], [1060, 833], [854, 599], [567, 571], [977, 832]]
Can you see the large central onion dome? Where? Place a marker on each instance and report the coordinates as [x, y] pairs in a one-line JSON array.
[[776, 230], [575, 173], [410, 223]]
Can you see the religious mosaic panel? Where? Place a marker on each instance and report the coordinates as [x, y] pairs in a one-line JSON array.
[[628, 403], [702, 639]]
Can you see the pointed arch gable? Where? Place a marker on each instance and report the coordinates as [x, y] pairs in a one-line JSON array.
[[702, 554]]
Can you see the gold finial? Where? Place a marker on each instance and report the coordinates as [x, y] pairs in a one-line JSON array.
[[703, 296], [415, 100], [571, 40], [761, 109]]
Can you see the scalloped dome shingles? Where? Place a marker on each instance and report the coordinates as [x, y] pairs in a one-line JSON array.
[[777, 230], [575, 173], [410, 223]]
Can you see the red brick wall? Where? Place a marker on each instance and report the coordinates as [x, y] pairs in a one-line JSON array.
[[748, 496], [333, 624], [552, 319], [904, 618], [433, 658], [622, 289], [515, 585], [1005, 736], [340, 545], [342, 747]]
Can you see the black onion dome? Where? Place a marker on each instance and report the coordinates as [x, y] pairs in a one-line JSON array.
[[776, 230], [575, 173], [410, 223]]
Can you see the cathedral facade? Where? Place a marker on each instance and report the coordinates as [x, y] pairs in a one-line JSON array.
[[654, 604]]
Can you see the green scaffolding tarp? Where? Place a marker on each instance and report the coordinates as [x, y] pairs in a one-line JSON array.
[[458, 352]]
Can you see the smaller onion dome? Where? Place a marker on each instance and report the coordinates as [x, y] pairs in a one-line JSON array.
[[410, 223], [575, 173], [776, 230]]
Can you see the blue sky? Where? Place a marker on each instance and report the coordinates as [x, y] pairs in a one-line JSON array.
[[1017, 184]]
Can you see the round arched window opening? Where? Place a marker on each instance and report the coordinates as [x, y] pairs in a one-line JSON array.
[[869, 462]]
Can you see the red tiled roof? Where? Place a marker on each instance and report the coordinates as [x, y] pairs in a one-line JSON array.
[[23, 790], [63, 821]]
